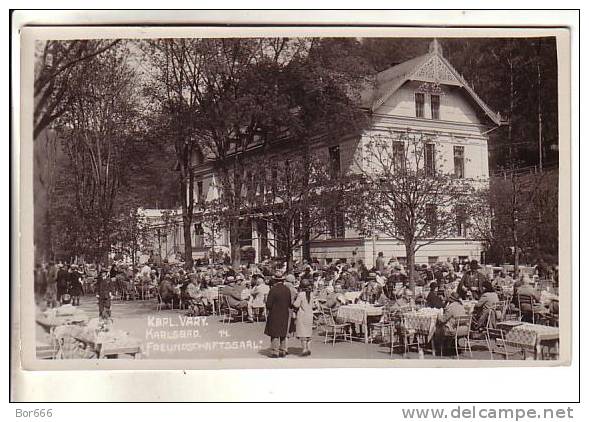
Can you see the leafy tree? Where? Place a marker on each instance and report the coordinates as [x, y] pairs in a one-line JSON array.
[[525, 215], [95, 129], [61, 67], [406, 193], [292, 196]]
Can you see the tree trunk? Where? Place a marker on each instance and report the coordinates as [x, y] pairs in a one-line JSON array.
[[186, 183], [306, 237], [410, 253], [187, 223], [234, 241], [515, 257]]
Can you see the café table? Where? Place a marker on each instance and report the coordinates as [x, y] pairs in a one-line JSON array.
[[107, 348], [545, 335], [352, 296], [423, 323], [358, 313]]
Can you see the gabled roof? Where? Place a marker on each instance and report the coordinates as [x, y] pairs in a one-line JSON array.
[[431, 67]]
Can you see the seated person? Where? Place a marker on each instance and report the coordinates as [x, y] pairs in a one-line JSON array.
[[472, 281], [167, 291], [233, 293], [433, 299], [258, 295], [197, 301], [447, 321], [372, 290], [336, 298], [526, 289], [485, 306]]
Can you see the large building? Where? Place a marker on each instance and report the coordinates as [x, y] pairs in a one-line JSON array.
[[422, 95]]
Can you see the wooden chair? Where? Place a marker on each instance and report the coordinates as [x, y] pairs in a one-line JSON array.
[[410, 336], [231, 312], [335, 329], [490, 325], [260, 309], [462, 332], [510, 314], [381, 328], [397, 331], [523, 342], [497, 345], [161, 303], [501, 310], [532, 309]]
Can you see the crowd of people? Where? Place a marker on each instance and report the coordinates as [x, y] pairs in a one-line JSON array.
[[288, 299]]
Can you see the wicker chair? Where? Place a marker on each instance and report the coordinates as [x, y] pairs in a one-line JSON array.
[[462, 332], [335, 329]]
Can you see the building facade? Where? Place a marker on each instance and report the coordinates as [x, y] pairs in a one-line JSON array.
[[424, 95]]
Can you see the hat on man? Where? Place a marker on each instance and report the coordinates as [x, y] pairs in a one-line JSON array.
[[230, 279], [474, 265], [371, 276], [454, 297], [433, 285], [487, 286]]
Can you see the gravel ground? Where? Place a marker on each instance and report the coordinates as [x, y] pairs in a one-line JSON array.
[[170, 334]]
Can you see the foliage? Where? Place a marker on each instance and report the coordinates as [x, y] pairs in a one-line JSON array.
[[525, 216], [61, 68], [404, 195], [95, 129]]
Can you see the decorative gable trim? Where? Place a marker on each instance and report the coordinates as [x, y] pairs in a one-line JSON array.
[[436, 71]]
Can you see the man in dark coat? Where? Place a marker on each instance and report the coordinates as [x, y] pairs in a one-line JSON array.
[[104, 295], [472, 281], [74, 286], [278, 305], [62, 282]]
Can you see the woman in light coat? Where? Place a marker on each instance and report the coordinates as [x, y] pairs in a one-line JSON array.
[[304, 321]]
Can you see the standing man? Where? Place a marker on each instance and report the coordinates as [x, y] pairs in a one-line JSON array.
[[62, 282], [380, 264], [104, 295], [278, 305]]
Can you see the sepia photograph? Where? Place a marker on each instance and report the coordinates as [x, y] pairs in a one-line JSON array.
[[373, 199]]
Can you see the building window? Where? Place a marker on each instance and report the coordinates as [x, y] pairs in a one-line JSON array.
[[334, 160], [435, 105], [419, 104], [431, 219], [263, 234], [337, 227], [459, 162], [430, 159], [198, 235], [199, 191], [399, 156], [460, 221]]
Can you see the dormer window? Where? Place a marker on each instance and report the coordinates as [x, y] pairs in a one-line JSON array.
[[419, 104]]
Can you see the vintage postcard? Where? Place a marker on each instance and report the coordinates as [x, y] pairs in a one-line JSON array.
[[286, 197]]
